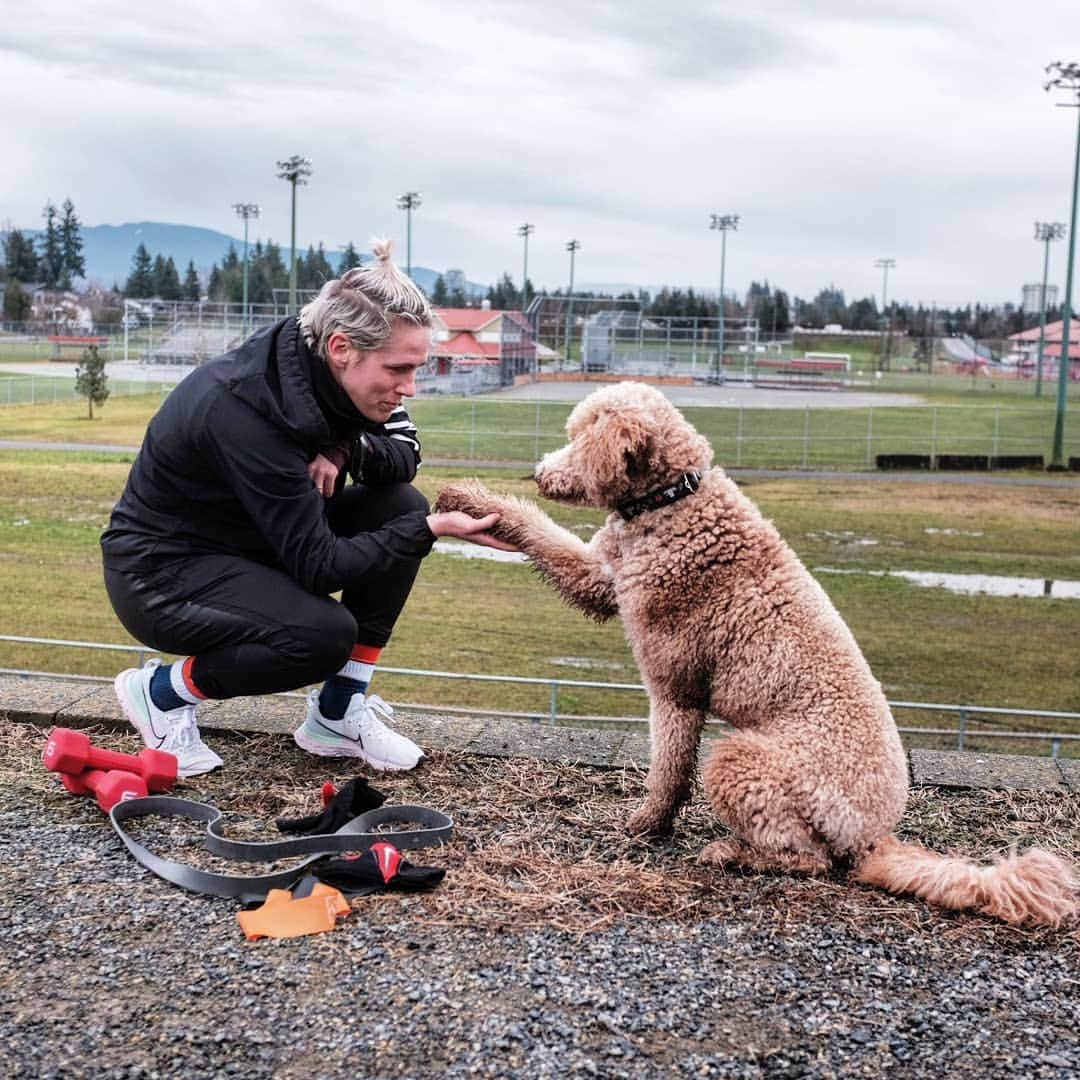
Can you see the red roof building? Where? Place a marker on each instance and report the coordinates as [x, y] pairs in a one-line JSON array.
[[1027, 342], [479, 348]]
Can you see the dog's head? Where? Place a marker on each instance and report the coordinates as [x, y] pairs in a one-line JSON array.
[[625, 440]]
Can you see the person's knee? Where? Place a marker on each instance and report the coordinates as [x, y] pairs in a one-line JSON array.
[[329, 643], [406, 499]]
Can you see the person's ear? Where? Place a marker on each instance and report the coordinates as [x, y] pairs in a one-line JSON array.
[[338, 350]]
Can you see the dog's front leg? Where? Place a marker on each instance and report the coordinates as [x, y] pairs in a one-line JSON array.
[[674, 734], [576, 570]]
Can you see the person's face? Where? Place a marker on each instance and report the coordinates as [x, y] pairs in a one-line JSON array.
[[377, 380]]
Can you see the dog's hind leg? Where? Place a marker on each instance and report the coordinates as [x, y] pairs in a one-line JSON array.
[[735, 852], [752, 789], [674, 733]]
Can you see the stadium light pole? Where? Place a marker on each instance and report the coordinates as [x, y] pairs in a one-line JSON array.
[[1046, 232], [296, 170], [571, 246], [409, 202], [524, 231], [884, 265], [721, 223], [246, 211], [1066, 76]]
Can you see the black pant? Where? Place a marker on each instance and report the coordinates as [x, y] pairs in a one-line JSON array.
[[253, 629]]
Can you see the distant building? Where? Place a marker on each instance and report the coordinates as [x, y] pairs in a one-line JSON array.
[[455, 280], [477, 349], [1024, 349]]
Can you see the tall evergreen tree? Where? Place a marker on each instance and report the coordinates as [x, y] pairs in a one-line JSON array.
[[140, 282], [20, 257], [350, 258], [17, 302], [439, 294], [73, 265], [52, 252], [168, 284], [157, 274], [192, 290]]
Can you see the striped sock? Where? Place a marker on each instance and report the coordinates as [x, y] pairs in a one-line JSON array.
[[172, 687], [353, 678]]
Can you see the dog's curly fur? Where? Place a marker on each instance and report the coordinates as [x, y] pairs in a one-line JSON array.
[[723, 618]]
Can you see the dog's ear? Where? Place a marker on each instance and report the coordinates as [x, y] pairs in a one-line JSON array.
[[632, 437]]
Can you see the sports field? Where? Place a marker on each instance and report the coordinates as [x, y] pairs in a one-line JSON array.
[[488, 617]]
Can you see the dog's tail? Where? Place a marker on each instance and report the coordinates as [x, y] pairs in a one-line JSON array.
[[1036, 888]]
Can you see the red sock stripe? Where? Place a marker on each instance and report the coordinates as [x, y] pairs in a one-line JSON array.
[[189, 682], [366, 654]]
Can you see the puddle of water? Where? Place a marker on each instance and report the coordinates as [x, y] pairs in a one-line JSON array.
[[973, 584], [951, 532], [461, 549], [846, 537], [585, 662]]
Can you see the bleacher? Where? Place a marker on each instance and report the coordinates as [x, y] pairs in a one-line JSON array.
[[814, 371]]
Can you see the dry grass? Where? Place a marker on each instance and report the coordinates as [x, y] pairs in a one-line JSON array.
[[540, 844]]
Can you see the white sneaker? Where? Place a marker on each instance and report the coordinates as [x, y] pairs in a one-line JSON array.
[[174, 730], [360, 733]]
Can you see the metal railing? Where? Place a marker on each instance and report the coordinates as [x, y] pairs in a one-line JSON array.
[[962, 732]]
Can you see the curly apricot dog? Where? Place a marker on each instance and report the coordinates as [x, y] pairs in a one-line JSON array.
[[723, 618]]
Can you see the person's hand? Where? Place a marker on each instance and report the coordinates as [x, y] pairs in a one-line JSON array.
[[458, 524], [324, 473]]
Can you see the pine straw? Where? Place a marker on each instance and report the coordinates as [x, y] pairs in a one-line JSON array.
[[540, 844]]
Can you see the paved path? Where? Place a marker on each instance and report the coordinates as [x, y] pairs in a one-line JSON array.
[[729, 395], [80, 703]]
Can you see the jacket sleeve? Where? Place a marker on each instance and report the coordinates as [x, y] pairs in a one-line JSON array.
[[268, 475], [390, 455]]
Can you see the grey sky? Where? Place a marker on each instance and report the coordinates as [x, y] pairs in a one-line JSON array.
[[840, 132]]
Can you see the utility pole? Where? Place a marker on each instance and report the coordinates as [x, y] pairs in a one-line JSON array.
[[409, 202], [246, 210], [886, 322], [524, 231], [296, 170], [571, 246], [1046, 232], [1066, 77], [721, 223]]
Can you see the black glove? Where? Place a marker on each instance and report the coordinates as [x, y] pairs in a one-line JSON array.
[[355, 798], [379, 868]]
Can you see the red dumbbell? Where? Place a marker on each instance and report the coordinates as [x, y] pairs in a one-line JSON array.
[[109, 785], [69, 751]]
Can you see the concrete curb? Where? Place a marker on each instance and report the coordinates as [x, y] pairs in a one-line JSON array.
[[83, 704]]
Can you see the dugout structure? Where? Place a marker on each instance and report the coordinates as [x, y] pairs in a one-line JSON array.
[[615, 337]]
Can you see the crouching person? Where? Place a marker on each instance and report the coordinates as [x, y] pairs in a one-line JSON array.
[[237, 523]]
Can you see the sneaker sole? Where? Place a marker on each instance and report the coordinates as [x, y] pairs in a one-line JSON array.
[[323, 749]]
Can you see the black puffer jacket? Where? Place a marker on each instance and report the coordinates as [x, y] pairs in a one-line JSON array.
[[224, 469]]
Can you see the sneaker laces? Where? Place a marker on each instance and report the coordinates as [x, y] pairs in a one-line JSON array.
[[366, 720], [184, 732]]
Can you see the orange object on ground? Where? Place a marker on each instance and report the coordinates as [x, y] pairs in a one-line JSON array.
[[283, 917]]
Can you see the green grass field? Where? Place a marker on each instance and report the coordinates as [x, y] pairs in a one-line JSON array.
[[492, 430]]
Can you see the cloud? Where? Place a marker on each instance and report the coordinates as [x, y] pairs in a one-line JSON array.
[[840, 131]]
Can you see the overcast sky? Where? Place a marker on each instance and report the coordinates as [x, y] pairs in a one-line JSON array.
[[841, 131]]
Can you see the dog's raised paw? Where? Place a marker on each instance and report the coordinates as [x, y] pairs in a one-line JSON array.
[[471, 497]]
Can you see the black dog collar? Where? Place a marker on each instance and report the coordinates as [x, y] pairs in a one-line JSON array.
[[687, 484]]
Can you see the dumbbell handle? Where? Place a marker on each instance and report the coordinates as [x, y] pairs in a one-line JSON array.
[[110, 786]]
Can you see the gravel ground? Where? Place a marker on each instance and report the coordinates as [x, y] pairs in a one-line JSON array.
[[555, 946]]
